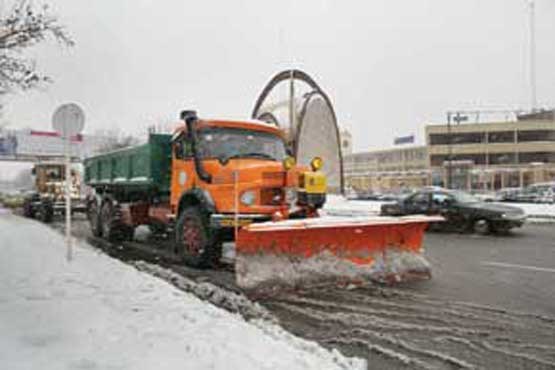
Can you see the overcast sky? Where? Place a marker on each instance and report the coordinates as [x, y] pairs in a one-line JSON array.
[[389, 66]]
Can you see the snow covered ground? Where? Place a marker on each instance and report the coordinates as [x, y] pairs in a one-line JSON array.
[[337, 205], [537, 212], [340, 206], [99, 313]]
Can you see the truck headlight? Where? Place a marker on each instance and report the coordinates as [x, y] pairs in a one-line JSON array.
[[288, 163], [316, 163], [248, 197]]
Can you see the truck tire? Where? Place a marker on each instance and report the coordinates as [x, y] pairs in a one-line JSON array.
[[28, 210], [111, 227], [93, 214], [196, 243], [45, 213]]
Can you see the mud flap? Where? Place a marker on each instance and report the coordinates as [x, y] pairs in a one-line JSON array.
[[298, 253]]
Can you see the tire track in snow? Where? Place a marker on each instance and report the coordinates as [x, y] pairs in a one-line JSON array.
[[458, 329], [394, 327]]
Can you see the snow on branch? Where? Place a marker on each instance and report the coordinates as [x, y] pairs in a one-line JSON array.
[[24, 26]]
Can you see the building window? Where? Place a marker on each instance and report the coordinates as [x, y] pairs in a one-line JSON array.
[[438, 160], [546, 157], [502, 158], [501, 137], [457, 138], [536, 135]]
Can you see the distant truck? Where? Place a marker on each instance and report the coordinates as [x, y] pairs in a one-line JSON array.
[[47, 199]]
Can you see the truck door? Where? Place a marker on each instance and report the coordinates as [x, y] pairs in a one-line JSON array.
[[183, 170]]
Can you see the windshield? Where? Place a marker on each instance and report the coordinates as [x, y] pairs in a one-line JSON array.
[[54, 173], [224, 144], [462, 197]]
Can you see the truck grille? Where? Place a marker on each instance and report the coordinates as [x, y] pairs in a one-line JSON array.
[[275, 176], [271, 196]]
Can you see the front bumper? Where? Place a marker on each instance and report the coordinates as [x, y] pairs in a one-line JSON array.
[[511, 220]]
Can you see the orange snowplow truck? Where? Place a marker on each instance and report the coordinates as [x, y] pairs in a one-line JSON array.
[[215, 180], [217, 174]]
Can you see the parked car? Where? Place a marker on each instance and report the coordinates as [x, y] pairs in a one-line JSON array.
[[538, 193], [486, 196], [508, 194], [462, 211]]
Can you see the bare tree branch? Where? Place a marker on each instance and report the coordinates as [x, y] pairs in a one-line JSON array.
[[23, 27]]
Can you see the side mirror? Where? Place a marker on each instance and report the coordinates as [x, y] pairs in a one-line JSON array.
[[33, 171]]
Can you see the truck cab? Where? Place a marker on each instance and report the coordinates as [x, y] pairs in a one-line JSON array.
[[233, 173], [238, 167]]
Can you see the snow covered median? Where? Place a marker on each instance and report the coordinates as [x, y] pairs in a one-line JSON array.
[[99, 313]]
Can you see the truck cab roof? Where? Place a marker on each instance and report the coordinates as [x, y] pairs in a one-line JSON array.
[[254, 125]]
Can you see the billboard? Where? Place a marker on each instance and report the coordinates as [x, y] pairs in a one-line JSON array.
[[32, 143], [404, 140]]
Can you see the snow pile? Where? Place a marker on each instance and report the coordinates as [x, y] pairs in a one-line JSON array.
[[337, 205], [537, 213], [230, 301], [98, 313]]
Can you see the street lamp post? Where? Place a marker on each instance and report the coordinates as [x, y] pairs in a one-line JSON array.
[[449, 151]]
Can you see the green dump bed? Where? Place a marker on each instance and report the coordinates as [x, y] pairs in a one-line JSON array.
[[146, 167]]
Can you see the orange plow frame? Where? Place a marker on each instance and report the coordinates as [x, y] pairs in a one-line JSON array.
[[367, 247]]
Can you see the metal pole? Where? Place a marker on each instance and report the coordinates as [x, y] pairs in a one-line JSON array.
[[236, 205], [450, 151], [68, 197], [292, 122]]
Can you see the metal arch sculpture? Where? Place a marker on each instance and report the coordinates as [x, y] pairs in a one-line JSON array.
[[316, 91]]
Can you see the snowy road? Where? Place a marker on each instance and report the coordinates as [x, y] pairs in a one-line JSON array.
[[470, 315]]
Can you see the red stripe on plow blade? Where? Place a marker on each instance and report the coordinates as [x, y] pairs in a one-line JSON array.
[[300, 251]]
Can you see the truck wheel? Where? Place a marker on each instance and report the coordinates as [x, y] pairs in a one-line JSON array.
[[108, 221], [482, 226], [93, 215], [28, 210], [195, 241], [45, 212]]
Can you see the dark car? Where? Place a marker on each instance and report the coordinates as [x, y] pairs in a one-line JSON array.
[[462, 211]]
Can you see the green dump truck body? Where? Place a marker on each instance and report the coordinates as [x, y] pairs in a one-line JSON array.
[[145, 167]]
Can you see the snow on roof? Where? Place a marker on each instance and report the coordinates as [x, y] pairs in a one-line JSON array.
[[97, 312]]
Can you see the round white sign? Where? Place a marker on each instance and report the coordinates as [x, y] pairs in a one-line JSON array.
[[68, 119]]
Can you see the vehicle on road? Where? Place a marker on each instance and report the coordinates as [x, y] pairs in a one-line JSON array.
[[220, 180], [462, 211], [538, 193], [47, 199], [507, 194]]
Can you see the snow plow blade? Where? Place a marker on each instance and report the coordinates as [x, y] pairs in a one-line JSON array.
[[295, 254]]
